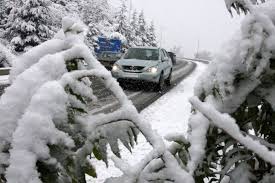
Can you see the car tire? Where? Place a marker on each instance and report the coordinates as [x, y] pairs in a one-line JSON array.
[[161, 83], [168, 80]]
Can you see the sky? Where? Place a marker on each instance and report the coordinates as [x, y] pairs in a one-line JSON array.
[[189, 23]]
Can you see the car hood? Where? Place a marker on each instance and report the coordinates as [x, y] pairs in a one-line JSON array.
[[135, 62]]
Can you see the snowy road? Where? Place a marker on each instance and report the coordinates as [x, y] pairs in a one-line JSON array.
[[105, 96], [141, 94], [167, 115]]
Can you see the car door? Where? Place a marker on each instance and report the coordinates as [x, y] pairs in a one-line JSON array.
[[162, 64]]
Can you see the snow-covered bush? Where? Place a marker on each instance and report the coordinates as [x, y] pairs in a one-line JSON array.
[[2, 13], [232, 126], [29, 24], [25, 24], [6, 57], [47, 133]]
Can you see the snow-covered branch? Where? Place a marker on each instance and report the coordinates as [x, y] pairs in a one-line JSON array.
[[228, 124]]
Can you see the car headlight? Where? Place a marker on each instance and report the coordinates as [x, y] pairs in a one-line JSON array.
[[152, 70], [116, 67]]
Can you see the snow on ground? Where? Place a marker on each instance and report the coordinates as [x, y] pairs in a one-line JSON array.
[[167, 115]]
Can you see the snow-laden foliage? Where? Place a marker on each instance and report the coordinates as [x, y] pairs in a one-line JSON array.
[[240, 5], [231, 136], [122, 21], [47, 133], [151, 34], [97, 14], [6, 57], [2, 13], [5, 8], [142, 29], [133, 38], [29, 24]]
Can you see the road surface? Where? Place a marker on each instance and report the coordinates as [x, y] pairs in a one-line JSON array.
[[142, 95]]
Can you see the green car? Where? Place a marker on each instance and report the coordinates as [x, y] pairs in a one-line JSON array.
[[144, 64]]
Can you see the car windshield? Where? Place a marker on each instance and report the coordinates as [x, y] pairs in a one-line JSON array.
[[142, 54]]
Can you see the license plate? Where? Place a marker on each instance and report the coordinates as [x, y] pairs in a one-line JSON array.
[[131, 75]]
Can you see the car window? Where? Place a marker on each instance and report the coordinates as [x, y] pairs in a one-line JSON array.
[[165, 53], [142, 54], [109, 55], [162, 55]]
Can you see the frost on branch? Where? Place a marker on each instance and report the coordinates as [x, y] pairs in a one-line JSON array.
[[232, 126]]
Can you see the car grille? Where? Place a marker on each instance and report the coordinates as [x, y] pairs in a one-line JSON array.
[[132, 68]]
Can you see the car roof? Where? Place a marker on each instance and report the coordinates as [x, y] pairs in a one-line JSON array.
[[145, 47]]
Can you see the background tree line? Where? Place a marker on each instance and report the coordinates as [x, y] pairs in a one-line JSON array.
[[27, 23]]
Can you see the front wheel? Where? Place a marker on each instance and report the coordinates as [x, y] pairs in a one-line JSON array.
[[161, 83], [168, 80]]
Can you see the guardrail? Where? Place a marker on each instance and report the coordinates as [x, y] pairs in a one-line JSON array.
[[196, 60], [5, 71]]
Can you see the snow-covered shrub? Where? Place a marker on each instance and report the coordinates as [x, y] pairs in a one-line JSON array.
[[29, 24], [47, 133], [6, 57], [25, 24], [232, 126]]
